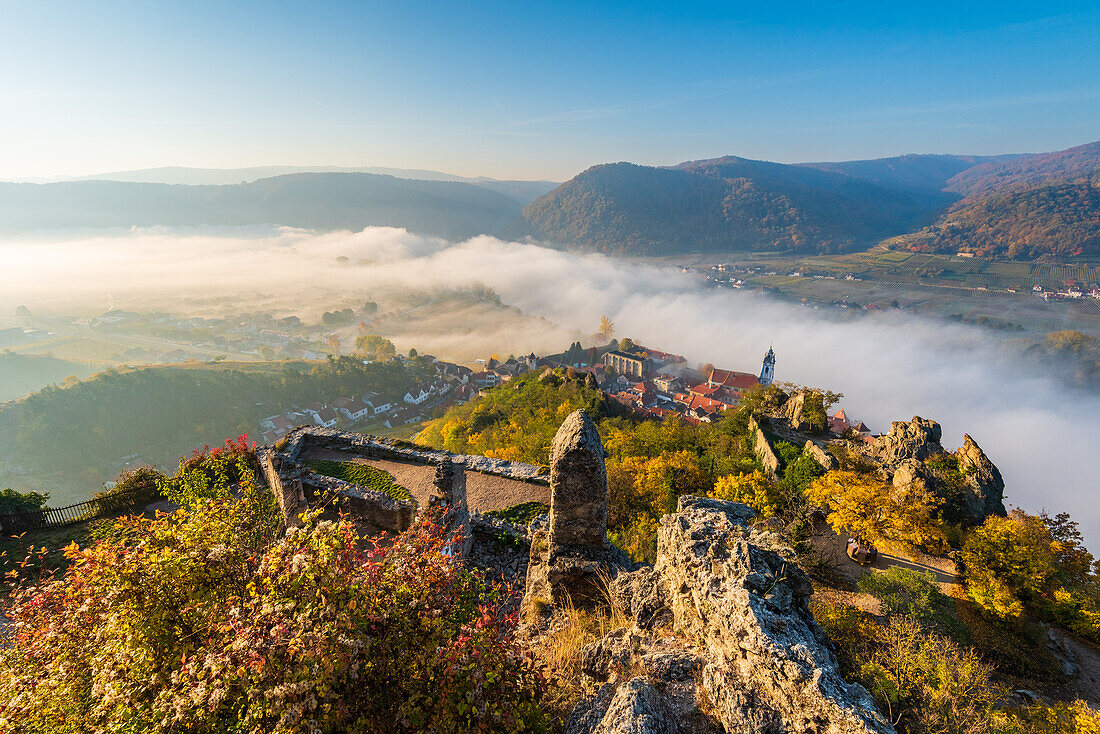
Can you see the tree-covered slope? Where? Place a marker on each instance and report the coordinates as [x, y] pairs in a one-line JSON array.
[[21, 374], [1060, 219], [156, 414], [1027, 171], [722, 204]]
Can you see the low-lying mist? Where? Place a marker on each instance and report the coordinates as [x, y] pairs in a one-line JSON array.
[[890, 366]]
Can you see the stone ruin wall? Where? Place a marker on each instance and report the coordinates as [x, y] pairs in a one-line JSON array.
[[298, 488]]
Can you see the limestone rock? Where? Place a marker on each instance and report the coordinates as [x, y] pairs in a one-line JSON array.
[[764, 451], [821, 456], [589, 711], [635, 709], [573, 557], [916, 439], [983, 479], [578, 484], [599, 659], [640, 594], [666, 665], [590, 381], [910, 472], [792, 411], [769, 667]]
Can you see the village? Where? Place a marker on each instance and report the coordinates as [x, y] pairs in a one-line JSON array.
[[649, 383]]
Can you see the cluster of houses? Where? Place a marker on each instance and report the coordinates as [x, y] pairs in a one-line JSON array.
[[1070, 289], [453, 385], [656, 384]]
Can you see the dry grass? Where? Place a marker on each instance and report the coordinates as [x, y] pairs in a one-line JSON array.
[[560, 651]]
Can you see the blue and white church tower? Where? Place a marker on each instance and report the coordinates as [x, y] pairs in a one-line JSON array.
[[767, 372]]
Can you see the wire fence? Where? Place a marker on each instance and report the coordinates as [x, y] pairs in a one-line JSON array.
[[57, 517]]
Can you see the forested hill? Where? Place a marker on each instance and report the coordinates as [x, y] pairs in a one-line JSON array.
[[1060, 219], [1027, 171], [723, 204], [927, 173], [79, 436], [323, 201], [1022, 206]]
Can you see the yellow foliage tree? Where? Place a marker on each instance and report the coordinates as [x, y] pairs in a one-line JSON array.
[[873, 510], [1007, 558], [752, 489], [607, 327]]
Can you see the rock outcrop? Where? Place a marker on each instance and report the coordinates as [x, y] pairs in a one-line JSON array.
[[916, 439], [578, 484], [827, 461], [763, 450], [983, 480], [768, 665], [746, 640], [903, 456], [573, 557]]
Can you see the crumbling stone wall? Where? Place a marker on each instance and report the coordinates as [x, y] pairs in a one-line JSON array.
[[297, 488]]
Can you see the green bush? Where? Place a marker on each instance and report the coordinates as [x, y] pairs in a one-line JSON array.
[[903, 591], [363, 475], [12, 502]]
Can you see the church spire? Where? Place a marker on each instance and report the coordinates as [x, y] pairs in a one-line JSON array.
[[767, 372]]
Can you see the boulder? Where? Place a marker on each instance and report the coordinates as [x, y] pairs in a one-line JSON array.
[[983, 480], [792, 411], [916, 439], [821, 456], [599, 659], [630, 708], [635, 709], [668, 666], [739, 592]]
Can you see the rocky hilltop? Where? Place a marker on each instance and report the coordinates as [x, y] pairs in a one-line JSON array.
[[722, 617]]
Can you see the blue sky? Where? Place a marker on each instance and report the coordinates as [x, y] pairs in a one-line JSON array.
[[535, 90]]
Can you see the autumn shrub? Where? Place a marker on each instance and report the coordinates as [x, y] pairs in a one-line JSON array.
[[928, 683], [905, 592], [876, 511], [754, 490], [1033, 563], [12, 502], [133, 490], [206, 620]]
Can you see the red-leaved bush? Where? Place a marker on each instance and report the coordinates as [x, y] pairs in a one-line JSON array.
[[207, 620]]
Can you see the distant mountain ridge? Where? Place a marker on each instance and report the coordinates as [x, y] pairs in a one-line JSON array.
[[1017, 205], [732, 204], [522, 191], [323, 201]]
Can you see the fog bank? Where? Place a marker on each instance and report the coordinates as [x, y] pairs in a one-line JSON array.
[[889, 366]]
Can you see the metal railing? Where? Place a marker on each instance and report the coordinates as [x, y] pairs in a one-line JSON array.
[[57, 517]]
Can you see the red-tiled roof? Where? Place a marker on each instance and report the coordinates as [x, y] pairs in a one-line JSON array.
[[734, 380]]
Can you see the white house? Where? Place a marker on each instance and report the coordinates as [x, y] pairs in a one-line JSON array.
[[418, 394], [357, 409], [324, 416]]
